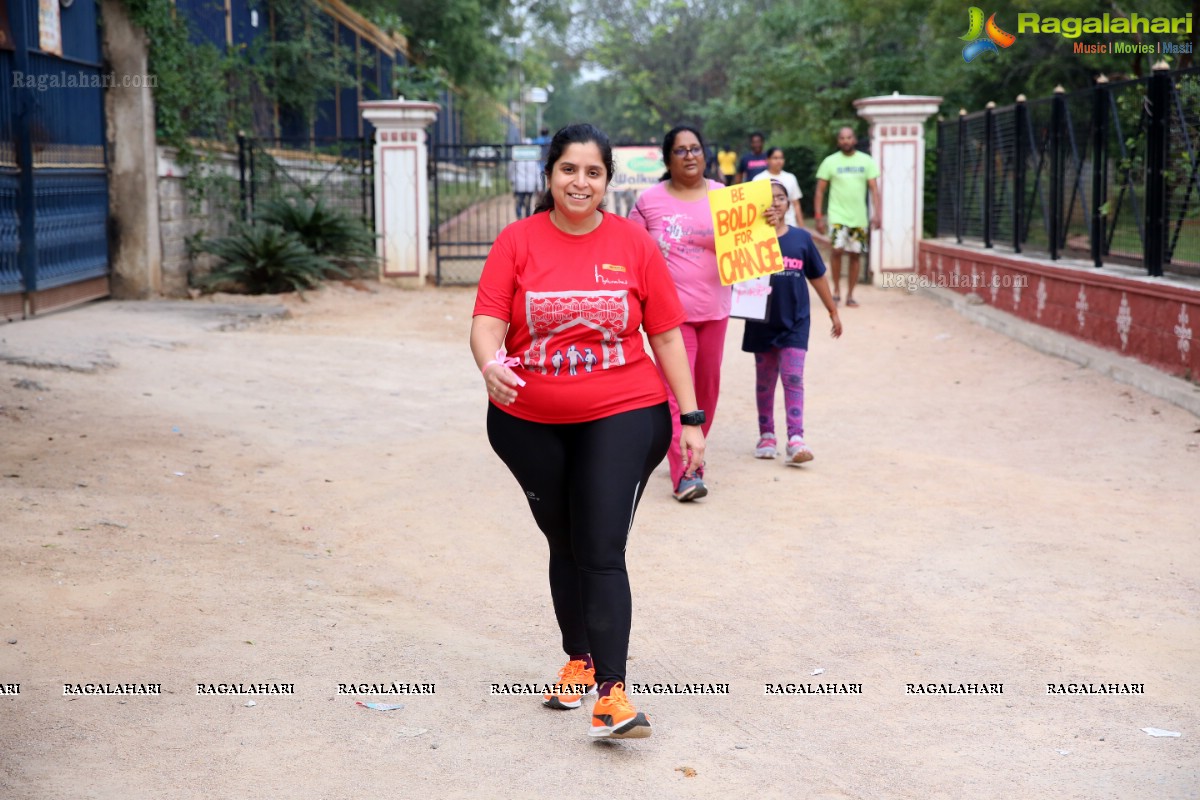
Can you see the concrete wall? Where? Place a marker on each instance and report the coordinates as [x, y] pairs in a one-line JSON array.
[[134, 249]]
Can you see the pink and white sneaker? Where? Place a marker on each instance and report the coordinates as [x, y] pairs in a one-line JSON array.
[[797, 452], [766, 446]]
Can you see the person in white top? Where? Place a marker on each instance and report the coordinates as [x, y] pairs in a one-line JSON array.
[[526, 179], [776, 172]]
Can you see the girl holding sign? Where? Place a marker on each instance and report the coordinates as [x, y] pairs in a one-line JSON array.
[[676, 213], [780, 343]]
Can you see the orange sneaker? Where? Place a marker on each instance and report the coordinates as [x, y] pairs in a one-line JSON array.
[[574, 681], [614, 717]]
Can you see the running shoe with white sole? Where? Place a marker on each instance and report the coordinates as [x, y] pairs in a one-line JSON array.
[[766, 447], [798, 452], [690, 488], [574, 681], [614, 717]]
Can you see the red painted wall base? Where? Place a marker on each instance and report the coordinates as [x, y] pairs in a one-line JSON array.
[[1150, 319]]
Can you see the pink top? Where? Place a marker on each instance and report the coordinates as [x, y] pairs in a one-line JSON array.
[[684, 232]]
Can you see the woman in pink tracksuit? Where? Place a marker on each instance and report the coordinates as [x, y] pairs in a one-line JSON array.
[[676, 213]]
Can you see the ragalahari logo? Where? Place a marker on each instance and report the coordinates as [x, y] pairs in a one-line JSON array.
[[981, 38]]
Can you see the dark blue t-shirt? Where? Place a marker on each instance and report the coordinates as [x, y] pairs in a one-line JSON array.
[[788, 317], [752, 164]]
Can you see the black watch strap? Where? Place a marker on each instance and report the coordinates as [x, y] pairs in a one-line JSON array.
[[692, 418]]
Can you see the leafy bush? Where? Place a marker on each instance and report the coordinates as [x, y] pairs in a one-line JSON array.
[[265, 259], [328, 232]]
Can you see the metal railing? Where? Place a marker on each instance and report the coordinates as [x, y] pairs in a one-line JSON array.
[[471, 200], [339, 172], [1108, 174]]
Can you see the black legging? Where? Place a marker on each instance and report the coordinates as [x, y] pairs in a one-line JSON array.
[[583, 482]]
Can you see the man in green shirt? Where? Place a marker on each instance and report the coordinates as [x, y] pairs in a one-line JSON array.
[[849, 174]]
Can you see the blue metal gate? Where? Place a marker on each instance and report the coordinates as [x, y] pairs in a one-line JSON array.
[[53, 180]]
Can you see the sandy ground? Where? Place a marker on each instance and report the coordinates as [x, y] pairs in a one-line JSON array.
[[310, 499]]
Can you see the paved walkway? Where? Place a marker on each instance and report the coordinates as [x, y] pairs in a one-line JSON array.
[[311, 500]]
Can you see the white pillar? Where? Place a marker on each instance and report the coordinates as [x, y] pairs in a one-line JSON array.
[[401, 187], [898, 147]]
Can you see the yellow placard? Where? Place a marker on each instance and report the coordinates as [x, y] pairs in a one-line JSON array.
[[746, 243]]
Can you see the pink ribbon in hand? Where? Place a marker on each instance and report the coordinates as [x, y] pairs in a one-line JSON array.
[[503, 360]]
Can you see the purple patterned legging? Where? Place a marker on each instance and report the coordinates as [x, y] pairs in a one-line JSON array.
[[789, 360]]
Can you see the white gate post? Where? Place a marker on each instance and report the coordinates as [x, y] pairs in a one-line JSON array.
[[898, 147], [401, 187]]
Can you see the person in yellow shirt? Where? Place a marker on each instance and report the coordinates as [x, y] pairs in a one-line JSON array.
[[727, 159]]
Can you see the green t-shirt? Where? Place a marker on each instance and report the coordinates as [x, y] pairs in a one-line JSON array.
[[848, 176]]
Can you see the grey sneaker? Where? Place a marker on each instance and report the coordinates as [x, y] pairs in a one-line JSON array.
[[766, 446], [797, 452], [690, 488]]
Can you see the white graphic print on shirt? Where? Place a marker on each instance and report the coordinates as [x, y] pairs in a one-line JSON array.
[[671, 227], [551, 313]]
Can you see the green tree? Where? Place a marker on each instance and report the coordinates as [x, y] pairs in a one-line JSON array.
[[790, 67], [795, 68], [476, 48], [664, 59]]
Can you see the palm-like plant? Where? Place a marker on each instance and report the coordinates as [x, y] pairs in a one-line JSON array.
[[265, 259], [328, 232]]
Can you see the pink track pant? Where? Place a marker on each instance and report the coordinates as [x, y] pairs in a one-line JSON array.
[[705, 346]]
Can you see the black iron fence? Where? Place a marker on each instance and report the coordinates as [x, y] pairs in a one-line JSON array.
[[339, 172], [473, 194], [1108, 174]]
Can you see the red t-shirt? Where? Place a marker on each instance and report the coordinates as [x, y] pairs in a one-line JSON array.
[[574, 305]]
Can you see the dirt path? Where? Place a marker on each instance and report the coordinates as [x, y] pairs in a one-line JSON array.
[[312, 500]]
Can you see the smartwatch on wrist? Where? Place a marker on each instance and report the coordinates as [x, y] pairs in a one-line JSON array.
[[692, 418]]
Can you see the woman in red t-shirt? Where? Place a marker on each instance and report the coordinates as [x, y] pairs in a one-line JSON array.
[[584, 419]]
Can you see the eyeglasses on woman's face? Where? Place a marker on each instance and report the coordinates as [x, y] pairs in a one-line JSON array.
[[694, 150]]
